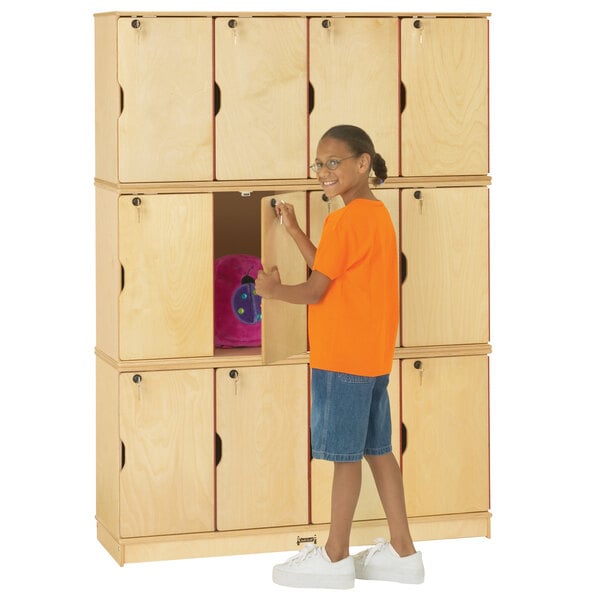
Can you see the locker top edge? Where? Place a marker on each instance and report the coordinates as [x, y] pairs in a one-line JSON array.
[[290, 14]]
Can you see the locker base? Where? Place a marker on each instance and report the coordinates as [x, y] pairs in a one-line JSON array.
[[278, 539]]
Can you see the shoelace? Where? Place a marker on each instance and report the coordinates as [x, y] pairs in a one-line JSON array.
[[305, 553], [366, 555]]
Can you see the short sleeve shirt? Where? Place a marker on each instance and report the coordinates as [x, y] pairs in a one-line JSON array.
[[354, 326]]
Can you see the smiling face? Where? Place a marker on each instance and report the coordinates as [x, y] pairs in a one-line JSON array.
[[350, 179]]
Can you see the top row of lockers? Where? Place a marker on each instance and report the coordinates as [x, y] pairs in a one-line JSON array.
[[200, 98]]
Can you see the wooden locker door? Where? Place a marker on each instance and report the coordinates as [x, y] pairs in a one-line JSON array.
[[321, 207], [444, 69], [445, 410], [166, 250], [369, 505], [262, 421], [284, 325], [261, 76], [167, 432], [445, 297], [350, 86], [166, 125]]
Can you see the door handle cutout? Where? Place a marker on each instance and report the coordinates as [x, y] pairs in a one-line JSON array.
[[403, 438], [402, 97], [217, 98], [122, 455], [403, 267], [218, 449], [311, 97]]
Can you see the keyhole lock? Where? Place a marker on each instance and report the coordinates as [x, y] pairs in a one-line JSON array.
[[326, 23], [137, 202], [136, 23], [419, 196], [417, 24], [235, 376], [137, 379], [419, 366], [232, 23]]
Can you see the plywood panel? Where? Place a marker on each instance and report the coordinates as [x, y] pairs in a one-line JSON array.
[[354, 74], [166, 249], [261, 72], [165, 72], [167, 428], [444, 69], [445, 410], [262, 420], [445, 297]]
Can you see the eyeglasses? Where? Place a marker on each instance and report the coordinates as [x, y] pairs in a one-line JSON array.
[[331, 164]]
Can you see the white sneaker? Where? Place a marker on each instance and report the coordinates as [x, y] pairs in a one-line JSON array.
[[311, 568], [382, 562]]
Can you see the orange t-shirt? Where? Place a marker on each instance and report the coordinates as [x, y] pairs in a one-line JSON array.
[[353, 328]]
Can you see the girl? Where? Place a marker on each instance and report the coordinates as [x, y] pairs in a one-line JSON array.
[[352, 294]]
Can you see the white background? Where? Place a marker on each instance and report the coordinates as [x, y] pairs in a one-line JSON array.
[[544, 376]]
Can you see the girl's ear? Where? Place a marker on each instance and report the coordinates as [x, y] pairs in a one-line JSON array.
[[364, 162]]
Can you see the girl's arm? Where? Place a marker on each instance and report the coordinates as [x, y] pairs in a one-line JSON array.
[[268, 285]]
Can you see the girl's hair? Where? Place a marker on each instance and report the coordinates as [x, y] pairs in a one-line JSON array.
[[359, 143]]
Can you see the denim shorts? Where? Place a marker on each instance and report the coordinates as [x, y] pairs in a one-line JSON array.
[[350, 416]]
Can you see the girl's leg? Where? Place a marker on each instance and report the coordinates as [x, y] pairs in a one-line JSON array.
[[344, 497], [388, 479]]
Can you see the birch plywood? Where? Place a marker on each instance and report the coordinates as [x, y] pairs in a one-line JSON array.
[[167, 481], [261, 71], [445, 297], [354, 74], [165, 73], [369, 505], [444, 69], [284, 325], [445, 410], [262, 419], [166, 249]]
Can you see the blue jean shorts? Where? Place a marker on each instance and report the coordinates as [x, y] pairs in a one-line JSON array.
[[350, 416]]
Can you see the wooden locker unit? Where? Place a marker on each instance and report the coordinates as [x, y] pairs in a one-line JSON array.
[[203, 122], [262, 423], [155, 271], [445, 410], [444, 70], [362, 56], [445, 296], [261, 74]]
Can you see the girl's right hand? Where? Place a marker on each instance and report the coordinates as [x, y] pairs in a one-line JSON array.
[[286, 213]]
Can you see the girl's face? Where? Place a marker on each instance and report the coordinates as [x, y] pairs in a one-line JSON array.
[[350, 178]]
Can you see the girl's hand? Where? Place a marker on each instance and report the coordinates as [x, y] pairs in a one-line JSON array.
[[287, 214], [266, 284]]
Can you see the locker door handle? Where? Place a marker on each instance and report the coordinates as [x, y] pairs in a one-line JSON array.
[[402, 97], [311, 97], [217, 98], [403, 267], [122, 454], [403, 438], [218, 449]]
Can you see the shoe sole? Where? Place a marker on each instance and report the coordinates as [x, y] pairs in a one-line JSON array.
[[304, 580], [375, 575]]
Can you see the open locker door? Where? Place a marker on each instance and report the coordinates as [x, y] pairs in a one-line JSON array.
[[284, 330]]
